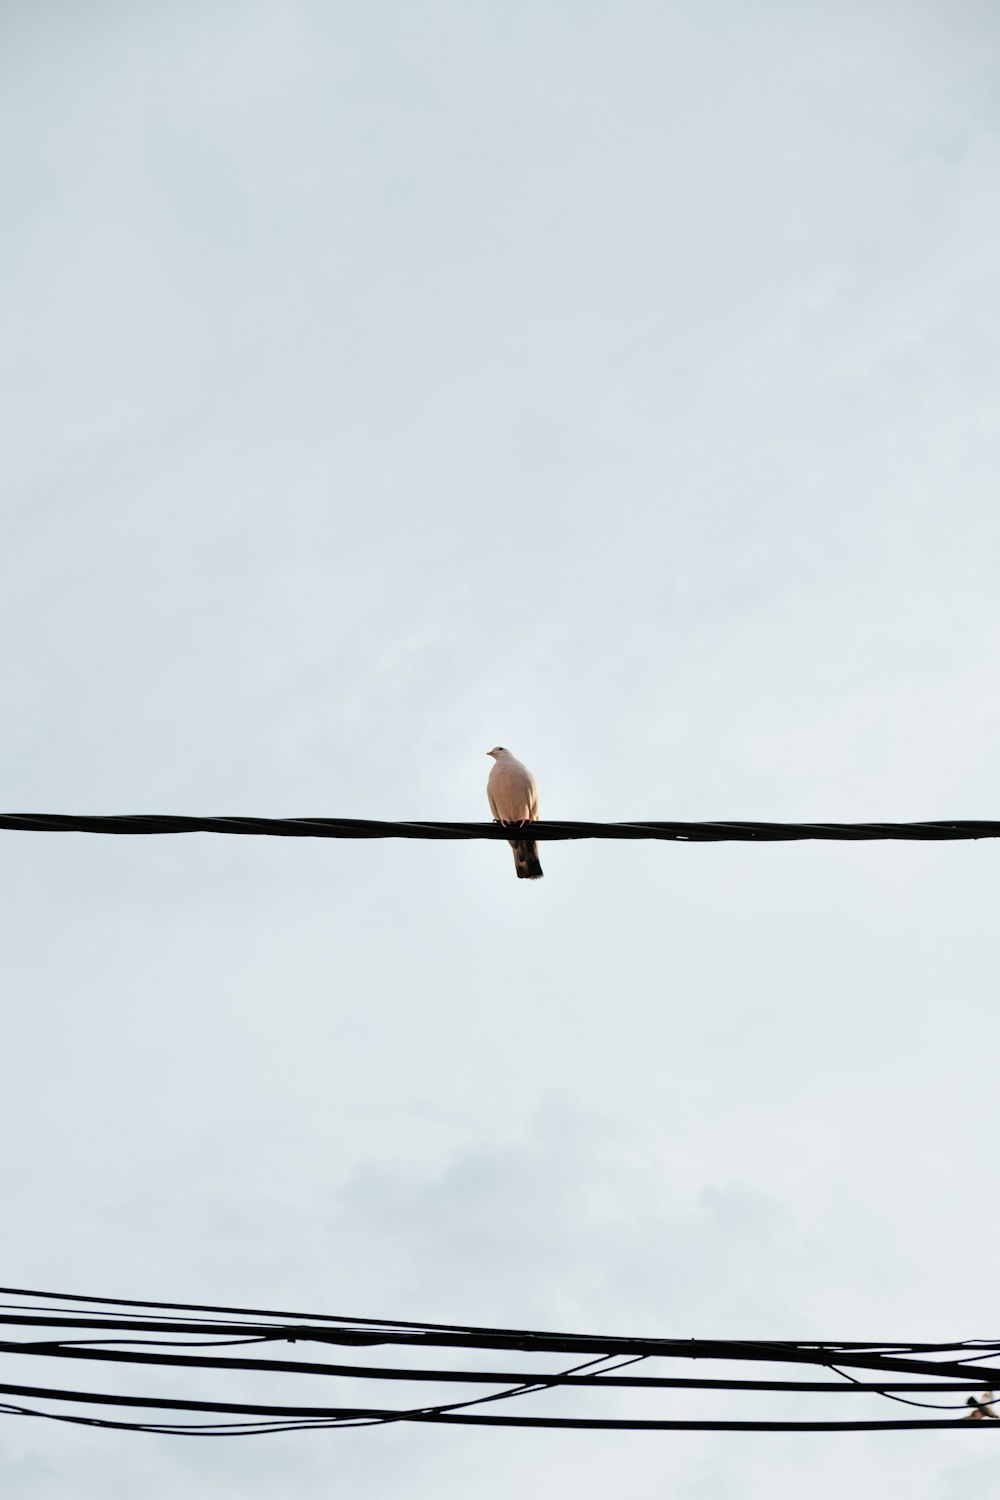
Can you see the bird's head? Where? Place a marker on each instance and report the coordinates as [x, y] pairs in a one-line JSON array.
[[497, 751]]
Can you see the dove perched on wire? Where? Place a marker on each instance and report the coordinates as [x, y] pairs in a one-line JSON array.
[[513, 798], [983, 1409]]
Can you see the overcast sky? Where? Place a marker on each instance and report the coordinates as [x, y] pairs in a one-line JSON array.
[[616, 382]]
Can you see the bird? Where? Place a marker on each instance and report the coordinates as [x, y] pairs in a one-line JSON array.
[[513, 798], [982, 1409]]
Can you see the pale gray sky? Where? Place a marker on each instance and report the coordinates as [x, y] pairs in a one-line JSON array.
[[615, 382]]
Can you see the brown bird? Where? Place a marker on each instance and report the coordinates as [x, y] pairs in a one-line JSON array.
[[983, 1409], [513, 798]]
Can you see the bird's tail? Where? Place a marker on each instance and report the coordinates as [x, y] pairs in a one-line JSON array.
[[526, 861]]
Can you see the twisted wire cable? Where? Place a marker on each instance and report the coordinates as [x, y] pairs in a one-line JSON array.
[[367, 828]]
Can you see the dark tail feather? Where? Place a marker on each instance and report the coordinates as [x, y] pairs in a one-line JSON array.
[[526, 861]]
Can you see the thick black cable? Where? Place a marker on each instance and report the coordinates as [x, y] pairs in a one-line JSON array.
[[883, 1359], [72, 1349], [291, 1327], [249, 1429], [365, 828], [315, 1416], [301, 1326], [713, 1349]]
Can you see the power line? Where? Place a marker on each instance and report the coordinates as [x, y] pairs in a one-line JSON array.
[[75, 1349], [86, 1312], [941, 1368], [366, 828], [330, 1416]]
